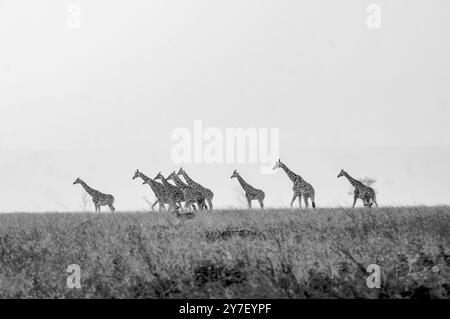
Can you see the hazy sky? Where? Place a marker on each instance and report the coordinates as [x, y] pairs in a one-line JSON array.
[[101, 100]]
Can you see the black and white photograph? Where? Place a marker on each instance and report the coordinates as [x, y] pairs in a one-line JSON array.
[[246, 151]]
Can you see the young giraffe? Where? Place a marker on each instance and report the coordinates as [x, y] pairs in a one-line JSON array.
[[191, 196], [205, 191], [251, 193], [98, 198], [157, 188], [175, 195], [301, 188], [365, 193]]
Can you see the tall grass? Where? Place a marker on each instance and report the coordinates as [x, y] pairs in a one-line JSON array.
[[228, 254]]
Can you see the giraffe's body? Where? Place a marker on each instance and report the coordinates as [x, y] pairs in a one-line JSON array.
[[363, 192], [99, 198], [157, 188], [251, 193], [174, 194], [191, 195], [301, 188], [207, 193]]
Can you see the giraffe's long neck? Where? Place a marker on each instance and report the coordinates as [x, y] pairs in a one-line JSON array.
[[144, 177], [243, 183], [352, 181], [165, 182], [147, 179], [179, 182], [189, 180], [292, 176], [88, 190]]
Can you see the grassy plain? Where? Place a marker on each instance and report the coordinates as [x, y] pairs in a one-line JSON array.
[[275, 253]]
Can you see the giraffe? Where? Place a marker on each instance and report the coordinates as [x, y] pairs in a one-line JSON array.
[[175, 195], [301, 188], [191, 195], [251, 193], [157, 188], [365, 193], [98, 198], [205, 191]]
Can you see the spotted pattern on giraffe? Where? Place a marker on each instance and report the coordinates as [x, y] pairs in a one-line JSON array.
[[175, 195], [158, 189], [205, 191], [363, 192], [301, 188], [98, 198], [251, 193], [191, 195]]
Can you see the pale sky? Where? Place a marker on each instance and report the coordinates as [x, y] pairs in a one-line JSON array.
[[100, 101]]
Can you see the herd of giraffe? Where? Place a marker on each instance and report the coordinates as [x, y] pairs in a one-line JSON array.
[[193, 193]]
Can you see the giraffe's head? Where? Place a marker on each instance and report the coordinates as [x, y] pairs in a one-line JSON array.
[[235, 174], [278, 164], [159, 176], [181, 171], [341, 173], [77, 181], [136, 174], [172, 176]]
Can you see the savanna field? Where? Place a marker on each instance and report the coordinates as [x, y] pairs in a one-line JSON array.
[[275, 253]]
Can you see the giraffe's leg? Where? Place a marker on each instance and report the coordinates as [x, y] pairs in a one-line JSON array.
[[111, 207], [313, 201], [355, 198], [261, 203], [300, 200], [210, 205], [366, 201], [305, 199], [156, 202], [293, 199], [374, 200], [249, 201]]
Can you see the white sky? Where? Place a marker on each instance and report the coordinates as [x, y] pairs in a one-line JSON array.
[[100, 101]]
